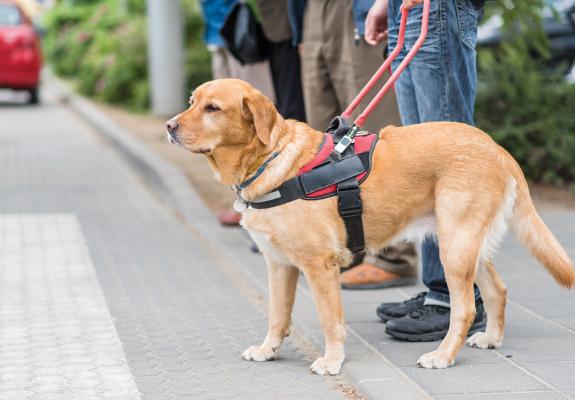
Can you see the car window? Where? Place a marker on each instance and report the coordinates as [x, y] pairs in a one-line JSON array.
[[9, 15], [560, 5]]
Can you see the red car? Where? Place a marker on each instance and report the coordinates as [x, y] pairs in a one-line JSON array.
[[20, 52]]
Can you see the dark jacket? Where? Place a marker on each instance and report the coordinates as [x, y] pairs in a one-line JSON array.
[[295, 15]]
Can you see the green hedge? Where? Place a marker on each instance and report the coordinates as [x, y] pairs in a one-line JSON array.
[[526, 106], [529, 110], [104, 49]]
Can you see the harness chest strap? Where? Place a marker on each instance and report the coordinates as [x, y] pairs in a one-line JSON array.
[[350, 209], [302, 186], [329, 178]]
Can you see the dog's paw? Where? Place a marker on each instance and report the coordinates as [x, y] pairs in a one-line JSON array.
[[434, 359], [482, 340], [259, 353], [326, 366]]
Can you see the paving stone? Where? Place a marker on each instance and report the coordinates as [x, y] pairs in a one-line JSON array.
[[558, 374], [158, 396], [54, 292], [505, 396], [536, 350], [464, 379]]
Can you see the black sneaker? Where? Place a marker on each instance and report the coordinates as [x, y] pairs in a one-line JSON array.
[[389, 311], [430, 323]]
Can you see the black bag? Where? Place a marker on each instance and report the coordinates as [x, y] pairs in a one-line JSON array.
[[243, 35]]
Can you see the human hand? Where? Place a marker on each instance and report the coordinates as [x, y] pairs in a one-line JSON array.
[[411, 3], [376, 23]]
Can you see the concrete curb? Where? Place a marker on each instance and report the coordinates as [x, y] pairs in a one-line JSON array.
[[366, 369]]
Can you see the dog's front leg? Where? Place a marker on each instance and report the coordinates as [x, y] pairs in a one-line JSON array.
[[323, 278], [282, 281]]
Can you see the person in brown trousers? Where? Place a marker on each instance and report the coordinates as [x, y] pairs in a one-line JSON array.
[[336, 64]]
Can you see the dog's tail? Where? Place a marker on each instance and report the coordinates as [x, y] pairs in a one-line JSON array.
[[536, 236]]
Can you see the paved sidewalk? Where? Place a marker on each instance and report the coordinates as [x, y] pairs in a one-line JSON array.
[[56, 328], [174, 303], [536, 361]]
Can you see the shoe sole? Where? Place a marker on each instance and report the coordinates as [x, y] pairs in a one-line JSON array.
[[384, 317], [396, 282], [478, 326]]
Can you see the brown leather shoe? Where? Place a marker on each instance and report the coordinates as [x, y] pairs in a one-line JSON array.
[[229, 217], [368, 276]]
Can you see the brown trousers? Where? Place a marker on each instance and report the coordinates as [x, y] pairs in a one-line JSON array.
[[336, 64]]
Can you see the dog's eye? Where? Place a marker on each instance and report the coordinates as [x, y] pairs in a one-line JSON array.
[[212, 108]]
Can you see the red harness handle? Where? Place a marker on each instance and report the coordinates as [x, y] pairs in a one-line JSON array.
[[360, 120]]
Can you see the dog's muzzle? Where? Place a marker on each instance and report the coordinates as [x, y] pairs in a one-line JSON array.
[[173, 139]]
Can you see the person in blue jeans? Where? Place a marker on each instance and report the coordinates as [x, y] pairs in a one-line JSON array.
[[438, 85]]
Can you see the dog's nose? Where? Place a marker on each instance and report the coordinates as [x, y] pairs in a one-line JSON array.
[[172, 125]]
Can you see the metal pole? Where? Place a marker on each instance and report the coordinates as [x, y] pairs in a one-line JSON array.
[[123, 6], [166, 56]]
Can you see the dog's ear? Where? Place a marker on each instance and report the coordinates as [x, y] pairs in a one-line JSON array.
[[262, 113]]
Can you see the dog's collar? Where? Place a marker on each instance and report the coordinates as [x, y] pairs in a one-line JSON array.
[[259, 171]]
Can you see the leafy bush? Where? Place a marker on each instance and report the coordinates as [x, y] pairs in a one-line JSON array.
[[103, 47], [114, 69], [65, 42], [529, 111]]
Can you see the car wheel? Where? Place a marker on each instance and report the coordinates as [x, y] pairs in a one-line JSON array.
[[34, 96]]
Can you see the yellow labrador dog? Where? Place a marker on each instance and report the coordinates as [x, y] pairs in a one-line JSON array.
[[445, 179]]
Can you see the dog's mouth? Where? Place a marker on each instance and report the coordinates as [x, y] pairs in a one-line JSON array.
[[202, 150], [173, 140]]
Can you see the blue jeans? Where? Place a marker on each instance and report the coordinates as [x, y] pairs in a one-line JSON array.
[[438, 85]]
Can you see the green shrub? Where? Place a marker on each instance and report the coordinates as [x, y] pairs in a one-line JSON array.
[[529, 111], [66, 42], [69, 49], [114, 69], [102, 46]]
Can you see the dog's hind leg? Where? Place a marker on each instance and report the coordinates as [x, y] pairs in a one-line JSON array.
[[462, 223], [323, 278], [282, 282], [494, 294]]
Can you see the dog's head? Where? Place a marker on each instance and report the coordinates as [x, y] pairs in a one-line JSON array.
[[229, 122]]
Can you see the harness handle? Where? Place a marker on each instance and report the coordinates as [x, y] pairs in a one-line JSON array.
[[347, 139], [360, 120]]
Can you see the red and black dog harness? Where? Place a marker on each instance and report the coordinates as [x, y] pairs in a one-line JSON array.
[[340, 171], [325, 177]]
